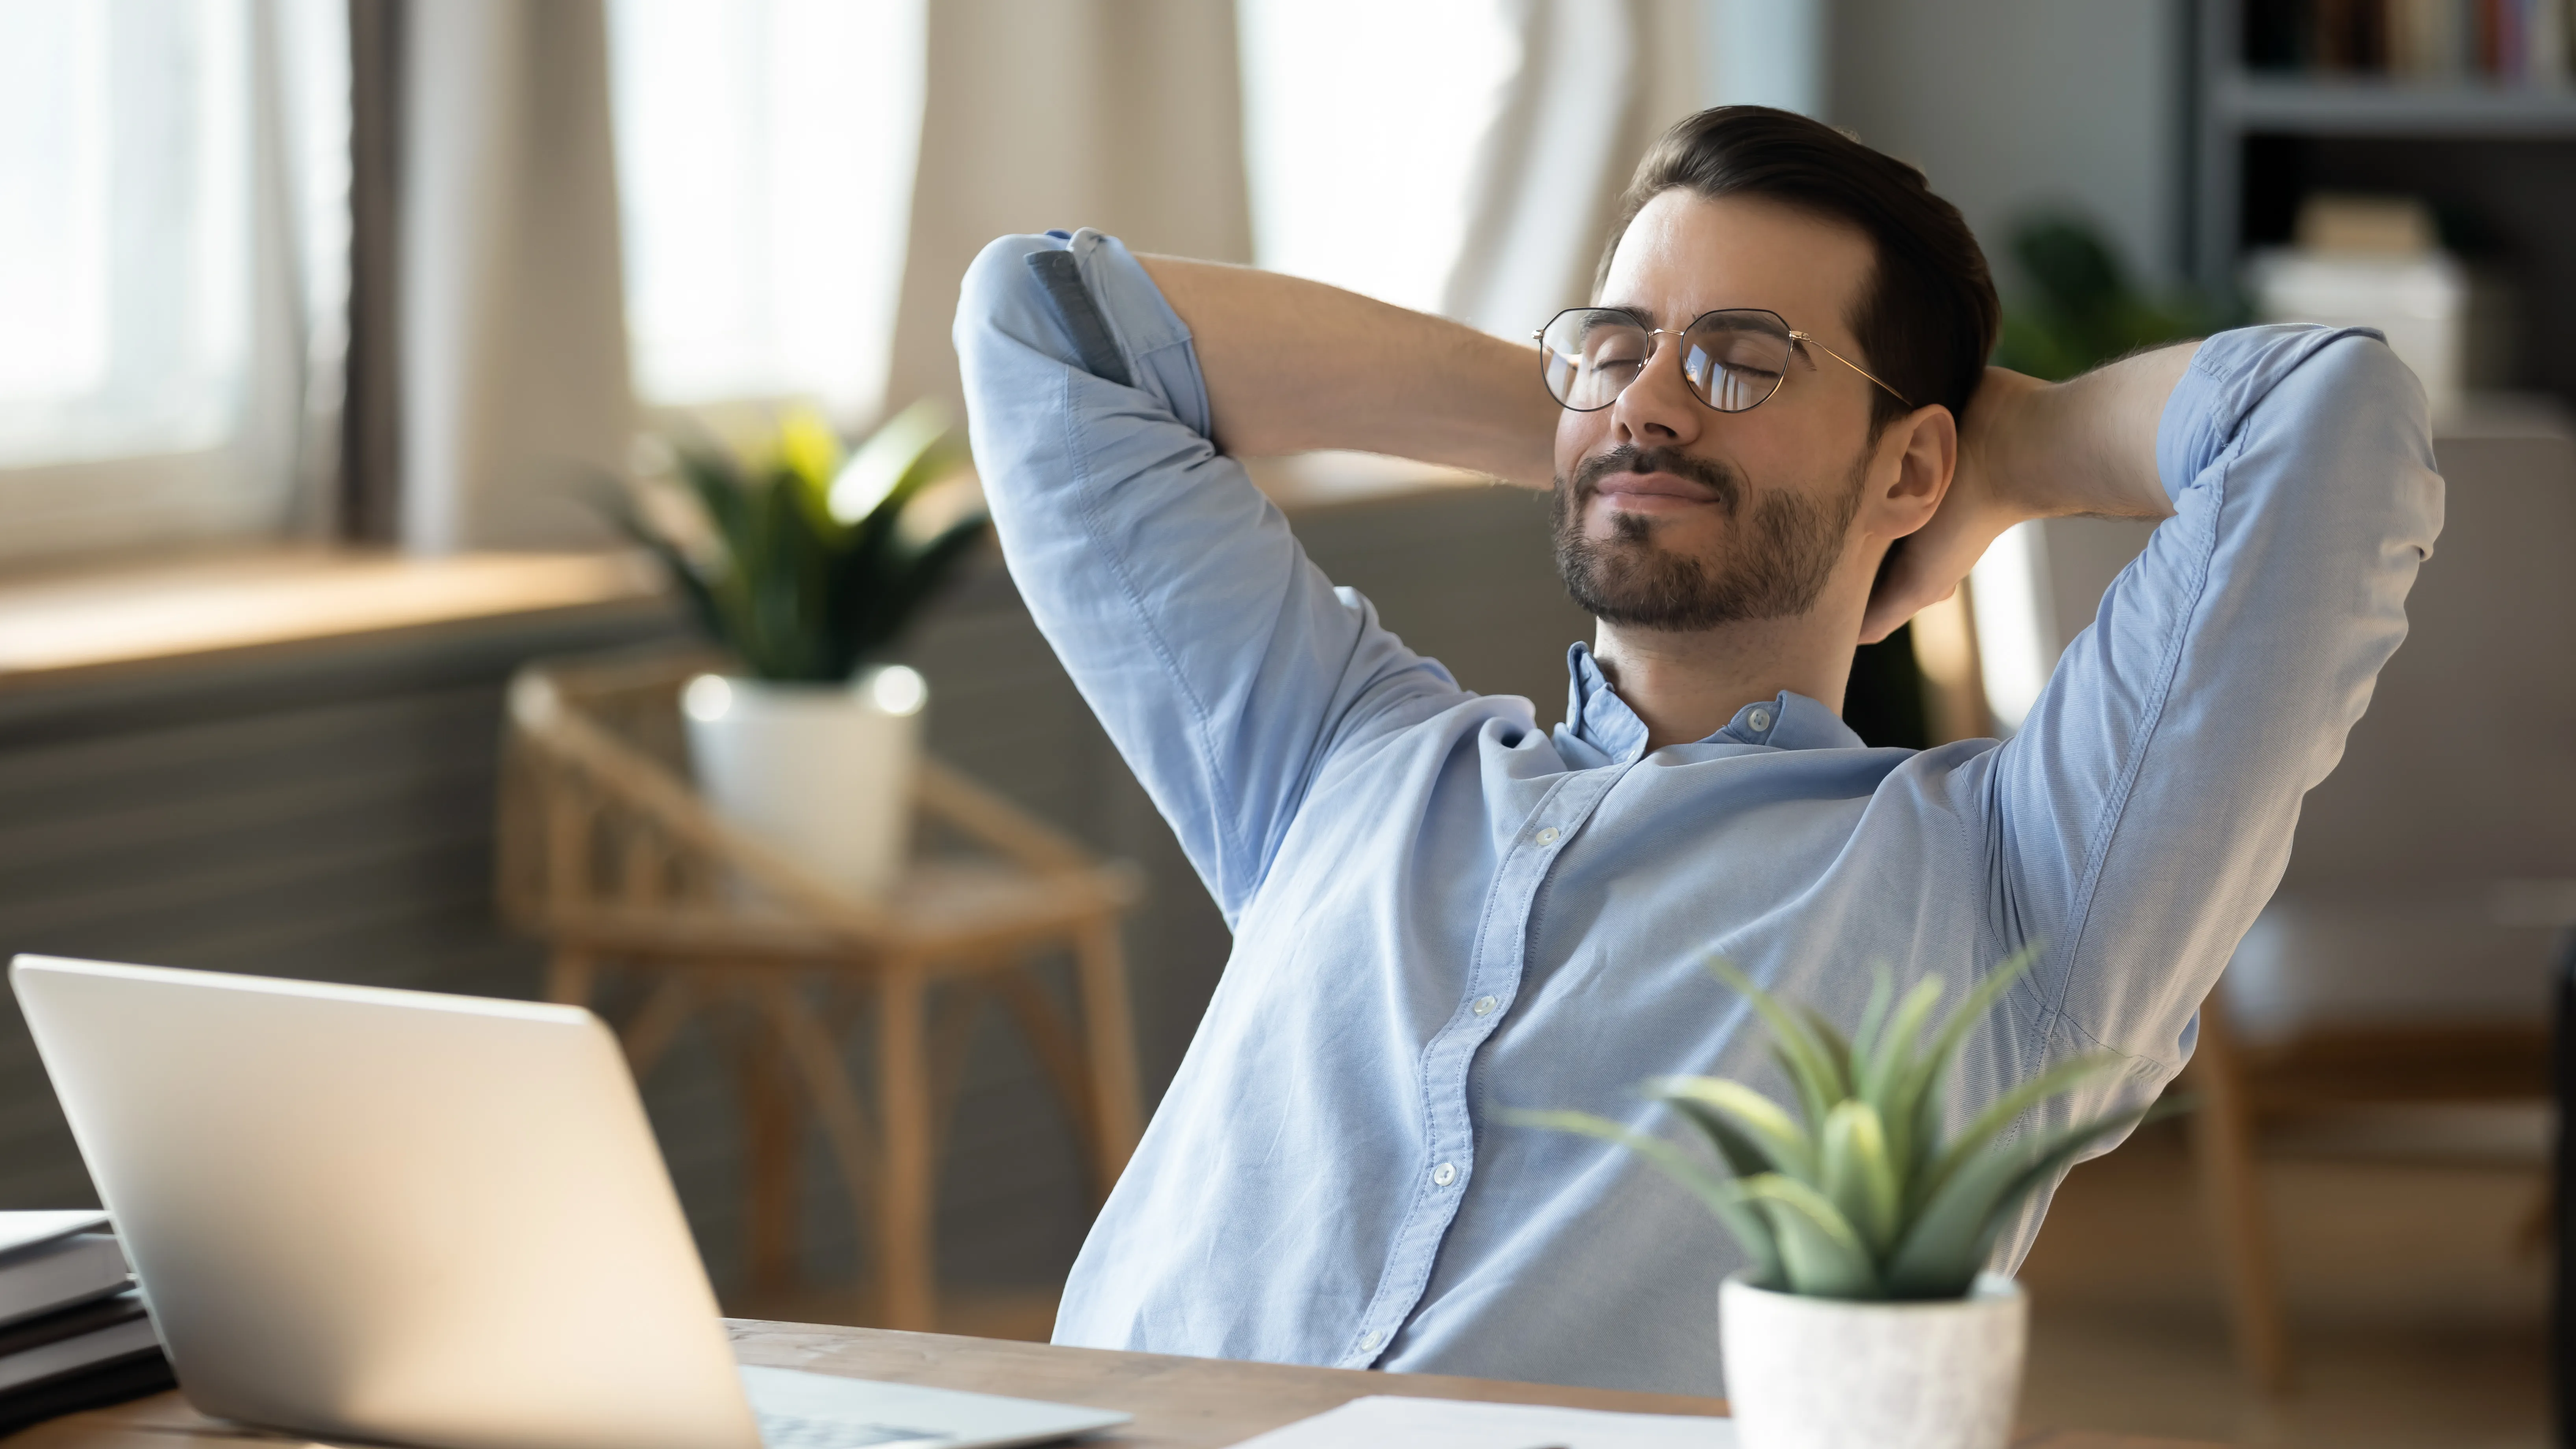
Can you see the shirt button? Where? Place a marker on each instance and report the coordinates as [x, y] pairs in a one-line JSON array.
[[1760, 719], [1371, 1339], [1547, 835], [1445, 1174], [1485, 1005]]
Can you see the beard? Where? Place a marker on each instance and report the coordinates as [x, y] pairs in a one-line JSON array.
[[1772, 569]]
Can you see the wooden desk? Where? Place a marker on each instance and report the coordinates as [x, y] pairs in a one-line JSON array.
[[1179, 1403]]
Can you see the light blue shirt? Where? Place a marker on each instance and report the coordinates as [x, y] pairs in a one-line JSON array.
[[1441, 910]]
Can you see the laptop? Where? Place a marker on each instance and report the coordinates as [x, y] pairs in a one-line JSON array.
[[359, 1213]]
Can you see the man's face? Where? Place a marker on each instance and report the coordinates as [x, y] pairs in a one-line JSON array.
[[1673, 515]]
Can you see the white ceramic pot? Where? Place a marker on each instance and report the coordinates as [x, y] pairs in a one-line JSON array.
[[1827, 1373], [822, 772]]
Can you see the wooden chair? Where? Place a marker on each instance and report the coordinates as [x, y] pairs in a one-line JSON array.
[[608, 856], [2248, 1081]]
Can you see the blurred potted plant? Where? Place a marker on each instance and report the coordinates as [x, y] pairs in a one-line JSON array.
[[2080, 308], [1867, 1317], [806, 566]]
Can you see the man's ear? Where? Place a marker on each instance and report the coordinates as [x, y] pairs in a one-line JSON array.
[[1911, 473]]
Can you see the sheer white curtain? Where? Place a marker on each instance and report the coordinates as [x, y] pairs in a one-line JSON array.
[[1124, 115], [1550, 165], [765, 160], [1362, 124], [512, 341], [173, 215], [1458, 156]]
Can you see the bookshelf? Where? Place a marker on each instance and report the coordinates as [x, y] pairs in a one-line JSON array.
[[2276, 113], [2371, 106]]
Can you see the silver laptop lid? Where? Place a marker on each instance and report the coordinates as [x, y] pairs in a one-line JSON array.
[[388, 1214]]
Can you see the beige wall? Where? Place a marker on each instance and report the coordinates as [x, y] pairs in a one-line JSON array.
[[2008, 104]]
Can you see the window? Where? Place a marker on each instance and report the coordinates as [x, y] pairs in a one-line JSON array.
[[765, 165], [168, 232], [2016, 628], [1362, 124]]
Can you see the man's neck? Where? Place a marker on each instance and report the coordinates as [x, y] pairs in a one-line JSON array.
[[1687, 685]]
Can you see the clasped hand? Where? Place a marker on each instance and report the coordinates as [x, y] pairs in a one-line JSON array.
[[2032, 449]]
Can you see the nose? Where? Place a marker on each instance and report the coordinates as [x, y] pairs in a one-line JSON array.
[[1657, 408]]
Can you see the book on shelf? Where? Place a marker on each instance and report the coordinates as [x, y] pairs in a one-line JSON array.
[[2511, 42]]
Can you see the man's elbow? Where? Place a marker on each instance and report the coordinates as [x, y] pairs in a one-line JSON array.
[[999, 301], [2398, 421], [2364, 415]]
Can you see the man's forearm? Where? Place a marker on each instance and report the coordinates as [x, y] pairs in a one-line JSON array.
[[1294, 365], [2088, 446], [2030, 449]]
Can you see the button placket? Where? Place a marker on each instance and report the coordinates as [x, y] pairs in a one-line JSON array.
[[1501, 954]]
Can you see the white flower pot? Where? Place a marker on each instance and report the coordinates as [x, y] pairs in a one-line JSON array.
[[1828, 1373], [821, 772]]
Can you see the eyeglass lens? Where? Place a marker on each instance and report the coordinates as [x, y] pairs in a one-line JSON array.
[[1732, 359]]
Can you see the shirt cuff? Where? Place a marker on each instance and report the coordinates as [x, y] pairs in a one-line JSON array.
[[1153, 337], [1137, 312]]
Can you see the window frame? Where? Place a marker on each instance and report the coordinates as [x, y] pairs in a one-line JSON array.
[[268, 478]]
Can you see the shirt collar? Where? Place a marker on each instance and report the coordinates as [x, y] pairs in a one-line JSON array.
[[1597, 716]]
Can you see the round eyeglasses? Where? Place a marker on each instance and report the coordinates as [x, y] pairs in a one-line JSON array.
[[1734, 358]]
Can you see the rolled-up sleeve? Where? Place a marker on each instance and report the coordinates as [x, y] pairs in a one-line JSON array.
[[1221, 661], [2143, 815]]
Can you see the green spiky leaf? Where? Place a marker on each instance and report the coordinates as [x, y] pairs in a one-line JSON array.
[[1982, 1130], [810, 570], [1726, 1200], [1816, 1077], [1856, 1174], [1855, 1193], [1873, 1017], [1776, 1142], [1913, 1093], [1949, 1239], [1821, 1254]]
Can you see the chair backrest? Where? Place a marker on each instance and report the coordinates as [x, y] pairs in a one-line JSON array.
[[2464, 770]]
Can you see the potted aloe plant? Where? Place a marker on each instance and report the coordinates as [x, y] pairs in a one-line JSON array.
[[806, 564], [1867, 1316]]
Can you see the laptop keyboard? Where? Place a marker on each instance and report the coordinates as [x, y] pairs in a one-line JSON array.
[[793, 1431]]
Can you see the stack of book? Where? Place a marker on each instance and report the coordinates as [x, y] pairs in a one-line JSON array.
[[73, 1333]]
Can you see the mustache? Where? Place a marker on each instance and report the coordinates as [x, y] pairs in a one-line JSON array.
[[1724, 485]]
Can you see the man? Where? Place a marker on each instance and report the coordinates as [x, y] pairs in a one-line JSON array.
[[1442, 911]]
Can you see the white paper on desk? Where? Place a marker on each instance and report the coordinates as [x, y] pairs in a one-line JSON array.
[[1457, 1424]]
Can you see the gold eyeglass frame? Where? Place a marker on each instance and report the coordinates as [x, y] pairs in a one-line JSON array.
[[1796, 338]]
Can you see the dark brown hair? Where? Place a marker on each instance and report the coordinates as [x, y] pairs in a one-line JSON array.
[[1928, 315]]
